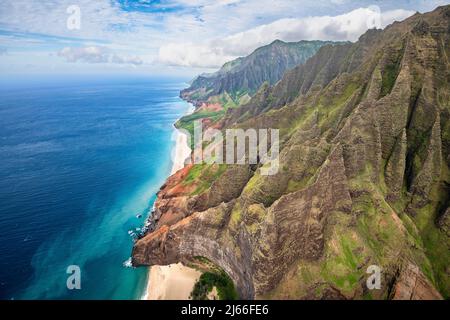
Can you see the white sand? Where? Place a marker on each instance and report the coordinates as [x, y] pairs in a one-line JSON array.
[[172, 282], [175, 281], [182, 149]]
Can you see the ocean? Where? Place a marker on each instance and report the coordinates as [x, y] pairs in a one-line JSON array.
[[81, 160]]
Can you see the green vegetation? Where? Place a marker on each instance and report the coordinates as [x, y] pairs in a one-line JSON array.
[[187, 122], [236, 215], [218, 279], [342, 268], [213, 277], [435, 242], [389, 75], [226, 101], [388, 79], [203, 175], [231, 100]]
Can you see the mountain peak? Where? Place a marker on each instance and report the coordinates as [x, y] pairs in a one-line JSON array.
[[245, 75]]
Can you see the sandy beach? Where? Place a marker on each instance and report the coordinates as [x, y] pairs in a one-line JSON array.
[[182, 150], [172, 282], [175, 281]]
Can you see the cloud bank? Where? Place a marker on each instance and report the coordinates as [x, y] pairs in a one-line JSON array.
[[96, 54], [88, 54], [172, 36], [214, 53]]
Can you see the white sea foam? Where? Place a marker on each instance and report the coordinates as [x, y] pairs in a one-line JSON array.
[[127, 263]]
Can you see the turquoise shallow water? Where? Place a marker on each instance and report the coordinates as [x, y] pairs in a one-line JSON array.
[[80, 160]]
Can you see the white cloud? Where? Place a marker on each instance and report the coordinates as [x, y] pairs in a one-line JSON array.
[[103, 23], [126, 59], [192, 55], [215, 52], [95, 54], [88, 54], [200, 33]]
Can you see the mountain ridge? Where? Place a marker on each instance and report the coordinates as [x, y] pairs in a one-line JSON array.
[[245, 75]]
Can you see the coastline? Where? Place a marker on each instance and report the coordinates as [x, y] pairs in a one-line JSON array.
[[176, 281]]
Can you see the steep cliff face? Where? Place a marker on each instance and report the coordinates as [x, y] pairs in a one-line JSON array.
[[364, 178], [243, 76]]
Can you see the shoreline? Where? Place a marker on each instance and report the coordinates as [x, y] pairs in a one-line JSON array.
[[175, 281]]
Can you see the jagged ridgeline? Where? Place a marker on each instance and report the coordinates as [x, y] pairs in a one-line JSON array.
[[364, 178], [239, 79]]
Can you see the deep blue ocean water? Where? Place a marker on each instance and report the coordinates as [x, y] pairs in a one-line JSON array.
[[78, 161]]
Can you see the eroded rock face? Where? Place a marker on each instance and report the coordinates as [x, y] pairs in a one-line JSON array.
[[292, 228], [199, 235], [411, 284], [363, 179], [294, 224]]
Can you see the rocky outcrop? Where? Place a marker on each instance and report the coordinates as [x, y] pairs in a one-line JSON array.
[[395, 168], [363, 179], [182, 242], [411, 284], [294, 225]]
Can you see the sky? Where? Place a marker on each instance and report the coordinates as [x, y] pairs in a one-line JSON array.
[[174, 37]]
